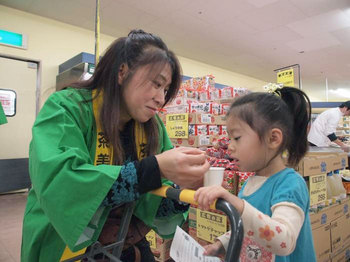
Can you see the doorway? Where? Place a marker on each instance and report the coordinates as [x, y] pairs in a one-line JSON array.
[[21, 75]]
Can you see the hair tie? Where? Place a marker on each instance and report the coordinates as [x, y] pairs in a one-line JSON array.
[[272, 88]]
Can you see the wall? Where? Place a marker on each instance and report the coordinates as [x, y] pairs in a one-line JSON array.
[[54, 42], [194, 68]]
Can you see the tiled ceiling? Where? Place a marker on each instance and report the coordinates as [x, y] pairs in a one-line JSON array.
[[251, 37]]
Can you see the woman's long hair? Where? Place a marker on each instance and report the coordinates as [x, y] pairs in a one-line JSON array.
[[137, 50]]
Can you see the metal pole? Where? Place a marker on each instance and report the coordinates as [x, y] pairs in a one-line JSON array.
[[97, 33]]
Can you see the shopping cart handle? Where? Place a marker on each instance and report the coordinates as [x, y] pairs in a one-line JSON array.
[[187, 195]]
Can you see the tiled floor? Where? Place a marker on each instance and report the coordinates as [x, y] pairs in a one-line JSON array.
[[11, 214]]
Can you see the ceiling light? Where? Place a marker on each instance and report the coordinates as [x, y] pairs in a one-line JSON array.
[[340, 92]]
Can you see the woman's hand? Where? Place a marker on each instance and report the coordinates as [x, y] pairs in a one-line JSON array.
[[185, 166], [205, 196]]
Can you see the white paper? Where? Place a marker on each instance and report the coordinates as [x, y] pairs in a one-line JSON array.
[[185, 249]]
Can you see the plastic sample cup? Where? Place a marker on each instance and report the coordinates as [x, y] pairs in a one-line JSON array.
[[214, 176]]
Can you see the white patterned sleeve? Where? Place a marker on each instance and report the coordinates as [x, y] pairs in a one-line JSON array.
[[278, 233]]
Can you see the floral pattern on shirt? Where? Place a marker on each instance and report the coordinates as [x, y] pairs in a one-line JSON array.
[[266, 233], [253, 252]]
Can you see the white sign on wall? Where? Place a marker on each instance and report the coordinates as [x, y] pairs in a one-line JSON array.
[[8, 101]]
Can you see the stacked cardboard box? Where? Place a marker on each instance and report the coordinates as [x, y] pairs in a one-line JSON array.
[[161, 247], [331, 231], [329, 217]]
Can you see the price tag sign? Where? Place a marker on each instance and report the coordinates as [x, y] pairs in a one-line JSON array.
[[286, 77], [318, 189], [177, 125], [151, 238], [210, 225]]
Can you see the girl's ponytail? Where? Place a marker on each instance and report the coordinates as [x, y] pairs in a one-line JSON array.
[[300, 107]]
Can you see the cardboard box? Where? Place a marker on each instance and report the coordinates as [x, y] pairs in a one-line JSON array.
[[192, 141], [346, 231], [337, 226], [207, 119], [322, 243], [329, 214], [336, 160], [312, 165], [341, 161]]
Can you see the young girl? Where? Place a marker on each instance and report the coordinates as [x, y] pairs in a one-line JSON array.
[[274, 204]]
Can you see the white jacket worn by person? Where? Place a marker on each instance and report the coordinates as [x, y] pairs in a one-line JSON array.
[[324, 127]]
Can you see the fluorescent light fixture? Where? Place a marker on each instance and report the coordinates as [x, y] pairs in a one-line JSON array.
[[340, 92]]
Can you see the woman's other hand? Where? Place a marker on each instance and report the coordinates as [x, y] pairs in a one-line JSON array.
[[185, 166]]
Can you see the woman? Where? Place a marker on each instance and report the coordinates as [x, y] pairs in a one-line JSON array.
[[100, 144]]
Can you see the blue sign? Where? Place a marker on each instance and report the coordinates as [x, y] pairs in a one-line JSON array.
[[13, 39]]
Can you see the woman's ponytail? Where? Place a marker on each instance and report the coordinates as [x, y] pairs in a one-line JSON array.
[[300, 107]]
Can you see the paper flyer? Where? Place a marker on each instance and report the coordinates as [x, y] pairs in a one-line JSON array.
[[185, 249]]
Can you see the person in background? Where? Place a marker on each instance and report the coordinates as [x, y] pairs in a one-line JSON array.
[[3, 119], [274, 203], [322, 131], [100, 144]]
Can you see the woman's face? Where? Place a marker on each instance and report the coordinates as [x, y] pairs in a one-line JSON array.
[[145, 93]]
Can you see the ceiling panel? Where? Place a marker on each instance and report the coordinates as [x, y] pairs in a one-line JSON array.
[[313, 42], [323, 23], [276, 14], [316, 7], [251, 37]]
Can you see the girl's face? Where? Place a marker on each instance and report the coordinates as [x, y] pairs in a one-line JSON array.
[[245, 146], [145, 93]]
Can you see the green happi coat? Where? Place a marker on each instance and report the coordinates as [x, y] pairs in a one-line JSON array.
[[64, 204]]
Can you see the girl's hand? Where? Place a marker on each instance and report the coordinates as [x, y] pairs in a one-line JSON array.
[[215, 249], [205, 196], [185, 166]]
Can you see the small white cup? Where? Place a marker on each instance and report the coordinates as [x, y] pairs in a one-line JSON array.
[[214, 176]]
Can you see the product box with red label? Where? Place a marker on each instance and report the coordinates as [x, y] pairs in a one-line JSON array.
[[192, 141]]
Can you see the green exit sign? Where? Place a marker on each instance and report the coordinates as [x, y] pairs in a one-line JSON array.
[[13, 39]]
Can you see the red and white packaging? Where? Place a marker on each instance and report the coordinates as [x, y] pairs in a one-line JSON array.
[[180, 101], [202, 129], [242, 177], [215, 94], [216, 108], [213, 130], [205, 108], [177, 109], [225, 108], [223, 130], [227, 92], [203, 83], [230, 181], [191, 130], [220, 163], [212, 152], [195, 130], [204, 96], [191, 94]]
